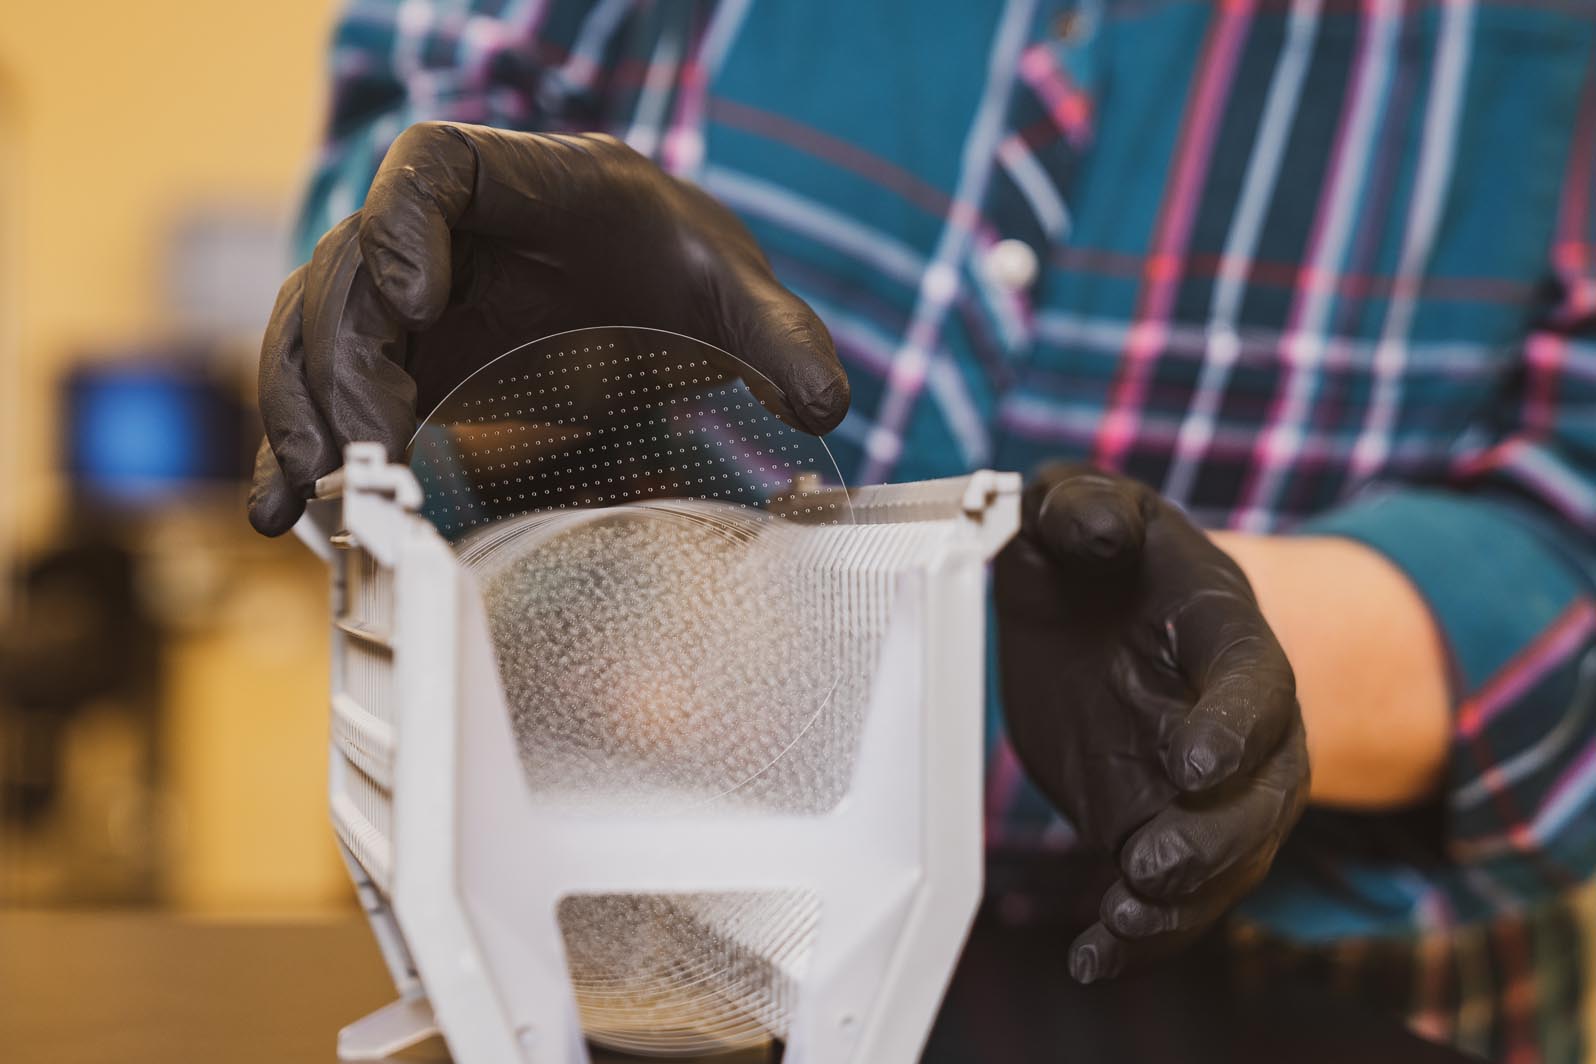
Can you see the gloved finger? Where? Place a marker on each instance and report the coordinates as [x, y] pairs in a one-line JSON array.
[[273, 505], [1246, 691], [423, 186], [441, 177], [1135, 919], [355, 349], [785, 343], [1083, 516], [1097, 953], [1197, 841], [1133, 931], [299, 437]]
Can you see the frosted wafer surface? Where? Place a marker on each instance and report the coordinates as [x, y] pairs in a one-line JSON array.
[[666, 656]]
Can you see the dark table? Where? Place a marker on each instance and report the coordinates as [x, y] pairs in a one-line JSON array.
[[140, 988]]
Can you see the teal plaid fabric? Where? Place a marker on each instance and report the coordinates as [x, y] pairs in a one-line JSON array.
[[1323, 265]]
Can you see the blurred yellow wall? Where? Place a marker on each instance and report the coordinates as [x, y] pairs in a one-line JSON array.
[[113, 118], [121, 114]]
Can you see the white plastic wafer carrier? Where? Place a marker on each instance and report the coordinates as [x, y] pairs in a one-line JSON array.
[[554, 854]]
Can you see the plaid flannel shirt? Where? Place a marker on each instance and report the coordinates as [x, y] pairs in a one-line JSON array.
[[1323, 265]]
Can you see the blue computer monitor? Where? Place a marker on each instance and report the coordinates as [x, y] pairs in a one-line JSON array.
[[143, 433]]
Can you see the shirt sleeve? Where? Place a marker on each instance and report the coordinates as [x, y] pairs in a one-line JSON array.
[[1505, 556], [543, 66]]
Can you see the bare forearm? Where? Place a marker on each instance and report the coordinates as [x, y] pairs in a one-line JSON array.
[[1370, 668]]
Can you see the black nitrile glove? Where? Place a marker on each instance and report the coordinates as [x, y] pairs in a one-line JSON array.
[[475, 240], [1148, 699]]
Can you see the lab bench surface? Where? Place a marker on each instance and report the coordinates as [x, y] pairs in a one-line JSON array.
[[140, 988]]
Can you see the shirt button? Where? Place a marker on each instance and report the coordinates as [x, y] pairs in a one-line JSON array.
[[1011, 264]]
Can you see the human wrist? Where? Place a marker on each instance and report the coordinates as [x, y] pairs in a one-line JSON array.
[[1368, 662]]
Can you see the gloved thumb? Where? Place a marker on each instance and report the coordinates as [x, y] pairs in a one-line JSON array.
[[1081, 515], [273, 506]]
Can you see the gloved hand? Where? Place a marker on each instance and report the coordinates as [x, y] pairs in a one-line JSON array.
[[475, 240], [1150, 702]]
